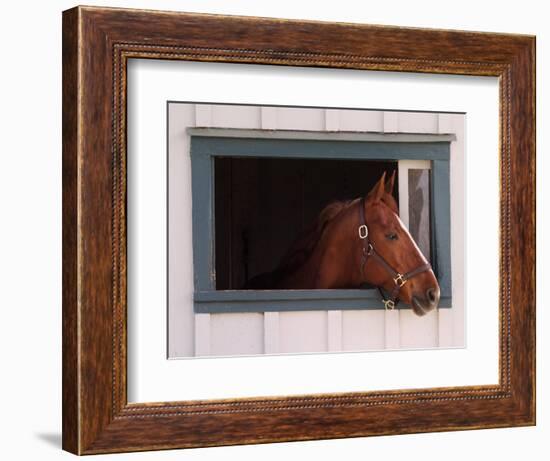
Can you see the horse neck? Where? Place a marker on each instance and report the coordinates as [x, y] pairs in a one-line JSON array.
[[340, 250]]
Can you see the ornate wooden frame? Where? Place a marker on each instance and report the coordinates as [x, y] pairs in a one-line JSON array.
[[97, 42]]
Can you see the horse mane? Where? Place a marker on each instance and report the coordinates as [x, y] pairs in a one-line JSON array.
[[306, 242]]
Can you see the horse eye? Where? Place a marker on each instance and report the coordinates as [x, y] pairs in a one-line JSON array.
[[391, 236]]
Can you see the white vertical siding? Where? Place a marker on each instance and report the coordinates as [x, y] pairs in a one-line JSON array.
[[358, 120], [390, 122], [414, 122], [236, 334], [227, 116], [181, 319], [418, 332], [203, 114], [446, 334], [308, 331], [292, 118], [303, 331], [202, 334], [268, 118], [392, 339], [447, 124], [334, 331], [332, 120], [453, 319], [363, 330], [271, 333]]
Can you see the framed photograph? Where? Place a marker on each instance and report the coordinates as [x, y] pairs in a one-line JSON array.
[[280, 230], [265, 199]]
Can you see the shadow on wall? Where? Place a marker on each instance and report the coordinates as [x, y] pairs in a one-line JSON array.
[[50, 438]]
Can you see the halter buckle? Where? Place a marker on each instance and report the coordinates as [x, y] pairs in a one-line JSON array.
[[399, 280], [389, 305], [363, 231]]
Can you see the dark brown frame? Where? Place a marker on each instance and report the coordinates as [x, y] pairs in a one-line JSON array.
[[97, 42]]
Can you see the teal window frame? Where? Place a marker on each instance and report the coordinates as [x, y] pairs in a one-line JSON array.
[[206, 144]]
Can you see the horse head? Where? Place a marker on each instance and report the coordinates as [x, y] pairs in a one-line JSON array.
[[393, 244]]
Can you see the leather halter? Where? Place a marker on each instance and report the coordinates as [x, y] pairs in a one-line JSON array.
[[368, 251]]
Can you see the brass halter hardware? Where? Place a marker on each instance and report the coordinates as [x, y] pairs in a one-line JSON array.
[[399, 280], [389, 305], [363, 231]]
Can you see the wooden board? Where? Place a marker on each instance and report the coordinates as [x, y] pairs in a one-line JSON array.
[[96, 45]]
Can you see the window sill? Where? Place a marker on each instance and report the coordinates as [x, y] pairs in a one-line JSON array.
[[233, 301]]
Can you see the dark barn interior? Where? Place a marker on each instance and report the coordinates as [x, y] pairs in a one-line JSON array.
[[262, 205]]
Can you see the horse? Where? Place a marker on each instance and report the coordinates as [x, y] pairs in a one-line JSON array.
[[355, 243]]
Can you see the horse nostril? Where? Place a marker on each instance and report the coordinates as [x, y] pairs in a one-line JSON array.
[[432, 294]]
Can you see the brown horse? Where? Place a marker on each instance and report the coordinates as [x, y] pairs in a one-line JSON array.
[[358, 242]]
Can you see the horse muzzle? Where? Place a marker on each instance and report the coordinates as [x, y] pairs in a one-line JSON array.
[[429, 301]]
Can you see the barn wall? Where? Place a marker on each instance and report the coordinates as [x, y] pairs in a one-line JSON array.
[[313, 331]]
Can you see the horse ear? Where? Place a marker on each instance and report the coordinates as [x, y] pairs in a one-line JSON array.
[[390, 183], [378, 190]]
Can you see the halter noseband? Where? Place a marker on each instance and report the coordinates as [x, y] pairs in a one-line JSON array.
[[368, 251]]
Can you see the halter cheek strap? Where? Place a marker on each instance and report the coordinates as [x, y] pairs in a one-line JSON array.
[[368, 251]]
